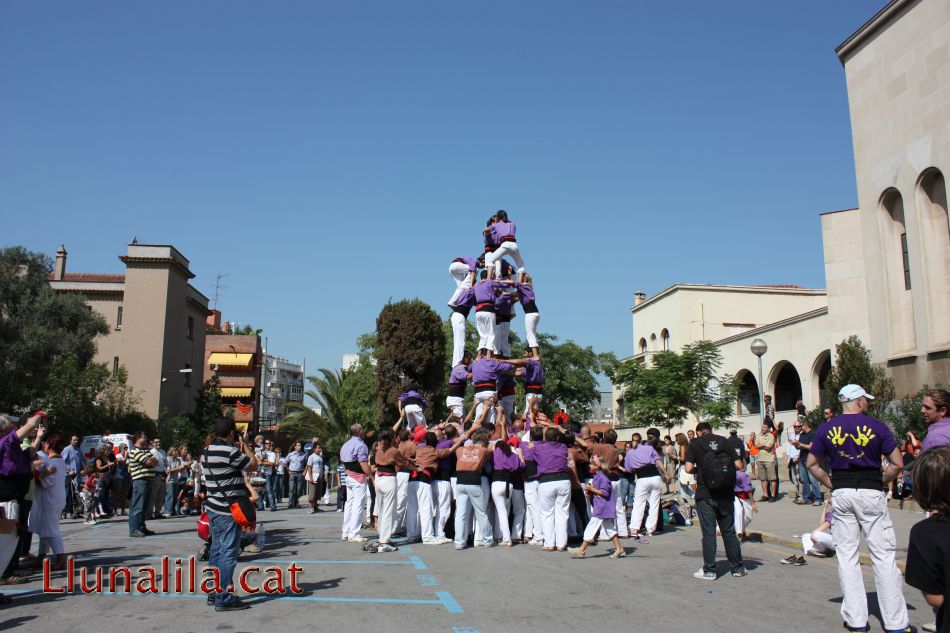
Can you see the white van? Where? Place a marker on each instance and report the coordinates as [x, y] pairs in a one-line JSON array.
[[91, 443]]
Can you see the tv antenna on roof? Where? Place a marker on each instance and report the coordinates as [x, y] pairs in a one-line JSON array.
[[218, 287]]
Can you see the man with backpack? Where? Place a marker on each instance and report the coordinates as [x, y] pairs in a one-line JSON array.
[[715, 465]]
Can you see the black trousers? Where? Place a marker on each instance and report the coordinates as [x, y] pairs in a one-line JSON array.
[[713, 512], [579, 505]]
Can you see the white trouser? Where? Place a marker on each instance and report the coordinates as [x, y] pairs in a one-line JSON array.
[[355, 507], [463, 279], [821, 542], [621, 517], [480, 534], [508, 406], [413, 527], [402, 498], [458, 337], [517, 513], [531, 327], [505, 248], [455, 405], [501, 500], [414, 416], [532, 524], [529, 400], [469, 498], [648, 489], [502, 330], [606, 527], [442, 490], [485, 324], [858, 511], [742, 511], [555, 498], [482, 397], [426, 510], [386, 503]]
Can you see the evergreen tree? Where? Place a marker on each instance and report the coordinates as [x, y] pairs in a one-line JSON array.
[[853, 366], [410, 352]]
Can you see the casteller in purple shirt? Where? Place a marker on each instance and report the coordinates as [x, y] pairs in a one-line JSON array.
[[551, 457], [642, 455], [471, 262], [853, 441], [603, 507], [486, 370], [485, 290], [938, 434], [501, 230]]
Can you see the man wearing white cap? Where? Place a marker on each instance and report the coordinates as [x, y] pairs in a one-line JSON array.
[[853, 444]]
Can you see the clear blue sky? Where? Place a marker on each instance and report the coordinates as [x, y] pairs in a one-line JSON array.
[[330, 156]]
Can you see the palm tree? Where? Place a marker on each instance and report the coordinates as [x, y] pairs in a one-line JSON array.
[[331, 426]]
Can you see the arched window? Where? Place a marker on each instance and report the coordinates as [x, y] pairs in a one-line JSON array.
[[897, 274], [788, 386], [665, 337], [643, 346], [821, 370], [653, 342], [935, 254], [747, 399]]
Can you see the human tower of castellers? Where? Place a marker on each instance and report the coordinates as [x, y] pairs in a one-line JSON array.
[[509, 474]]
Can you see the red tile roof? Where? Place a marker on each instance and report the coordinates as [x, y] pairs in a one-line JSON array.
[[92, 278]]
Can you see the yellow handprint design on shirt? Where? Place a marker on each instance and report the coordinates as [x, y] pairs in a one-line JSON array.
[[836, 437], [863, 436]]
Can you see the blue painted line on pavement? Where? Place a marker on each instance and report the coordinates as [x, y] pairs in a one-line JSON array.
[[417, 562], [427, 580], [443, 598], [451, 604]]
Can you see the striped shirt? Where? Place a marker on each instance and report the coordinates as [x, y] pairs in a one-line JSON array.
[[222, 465], [137, 467]]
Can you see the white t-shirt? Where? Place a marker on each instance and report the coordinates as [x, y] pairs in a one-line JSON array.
[[266, 456], [315, 463], [790, 450]]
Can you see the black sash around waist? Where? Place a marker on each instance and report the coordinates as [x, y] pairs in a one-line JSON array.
[[862, 478], [413, 400], [504, 318], [530, 307], [485, 307], [386, 469], [456, 390], [649, 470], [468, 477], [463, 310], [534, 388], [508, 238], [559, 476], [353, 466], [530, 470], [485, 386], [443, 475], [501, 475], [422, 476]]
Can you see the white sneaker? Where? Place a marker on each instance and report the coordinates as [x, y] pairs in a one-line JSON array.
[[444, 540], [505, 544], [386, 547], [358, 539], [536, 541], [705, 575], [432, 541]]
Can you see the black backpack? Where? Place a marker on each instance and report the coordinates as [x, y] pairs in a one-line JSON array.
[[719, 466]]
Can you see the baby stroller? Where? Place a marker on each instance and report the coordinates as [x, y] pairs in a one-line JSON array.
[[74, 504], [187, 501]]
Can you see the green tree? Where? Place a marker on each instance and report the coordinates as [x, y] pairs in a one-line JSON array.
[[904, 416], [357, 393], [853, 366], [39, 328], [410, 351], [331, 424], [676, 384], [570, 376]]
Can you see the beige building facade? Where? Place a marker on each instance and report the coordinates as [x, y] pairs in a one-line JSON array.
[[898, 75], [156, 323]]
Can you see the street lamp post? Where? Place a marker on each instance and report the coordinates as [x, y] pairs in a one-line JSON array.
[[759, 347]]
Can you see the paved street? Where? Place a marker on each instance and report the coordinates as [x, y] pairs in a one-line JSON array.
[[435, 588]]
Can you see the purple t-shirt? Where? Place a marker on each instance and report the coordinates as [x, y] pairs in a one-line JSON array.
[[459, 375], [354, 450], [13, 459], [525, 293], [471, 262], [642, 455], [938, 434], [446, 464], [504, 305], [853, 440], [487, 370], [533, 373], [743, 482], [551, 457], [502, 229], [410, 395], [603, 507], [505, 462], [465, 299], [485, 291]]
